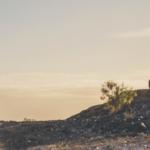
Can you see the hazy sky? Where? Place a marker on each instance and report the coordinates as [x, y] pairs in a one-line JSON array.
[[54, 55]]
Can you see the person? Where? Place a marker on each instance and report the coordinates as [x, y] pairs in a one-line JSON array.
[[149, 84]]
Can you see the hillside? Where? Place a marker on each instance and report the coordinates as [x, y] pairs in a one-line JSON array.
[[91, 129], [143, 95]]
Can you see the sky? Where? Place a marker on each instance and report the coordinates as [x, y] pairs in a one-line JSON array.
[[54, 55]]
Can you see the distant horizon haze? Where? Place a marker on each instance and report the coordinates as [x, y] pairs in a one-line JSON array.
[[44, 96]]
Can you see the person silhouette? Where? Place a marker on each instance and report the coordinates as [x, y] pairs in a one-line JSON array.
[[149, 84]]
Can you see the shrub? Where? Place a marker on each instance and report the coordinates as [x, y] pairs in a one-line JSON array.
[[129, 118], [116, 95], [29, 120]]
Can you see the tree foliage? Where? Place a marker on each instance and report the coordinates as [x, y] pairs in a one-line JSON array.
[[116, 95]]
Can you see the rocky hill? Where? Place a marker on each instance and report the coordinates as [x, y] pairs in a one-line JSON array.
[[91, 129], [143, 96]]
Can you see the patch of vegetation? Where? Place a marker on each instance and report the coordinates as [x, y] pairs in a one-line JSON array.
[[129, 118], [116, 96], [29, 120], [12, 121]]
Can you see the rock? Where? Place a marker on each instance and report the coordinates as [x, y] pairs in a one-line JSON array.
[[116, 130], [66, 131], [125, 130], [144, 107], [115, 125], [137, 127], [45, 147], [133, 134]]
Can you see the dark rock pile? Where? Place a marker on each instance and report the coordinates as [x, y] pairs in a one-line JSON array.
[[92, 122]]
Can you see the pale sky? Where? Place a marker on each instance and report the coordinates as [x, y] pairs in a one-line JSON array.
[[54, 55]]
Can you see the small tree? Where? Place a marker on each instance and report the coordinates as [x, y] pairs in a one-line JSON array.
[[116, 95]]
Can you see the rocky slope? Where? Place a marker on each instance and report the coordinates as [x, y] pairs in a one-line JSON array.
[[84, 130], [143, 96]]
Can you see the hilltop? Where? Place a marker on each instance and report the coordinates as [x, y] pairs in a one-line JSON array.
[[143, 96]]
